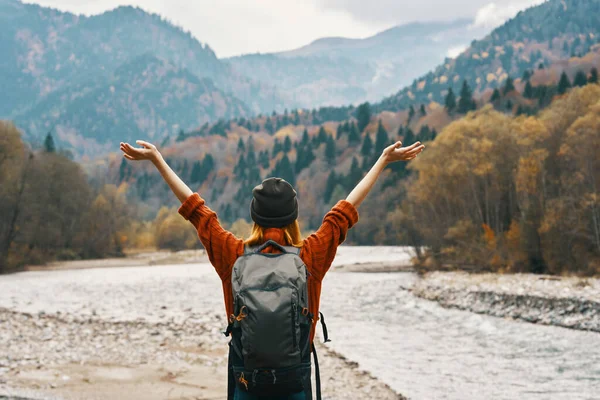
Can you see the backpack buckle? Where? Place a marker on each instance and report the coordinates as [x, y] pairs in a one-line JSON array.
[[265, 373], [241, 315]]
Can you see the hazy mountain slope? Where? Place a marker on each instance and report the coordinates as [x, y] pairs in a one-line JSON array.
[[552, 31], [145, 97], [335, 71], [47, 52]]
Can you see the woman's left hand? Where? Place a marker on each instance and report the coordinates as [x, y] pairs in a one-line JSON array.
[[396, 152]]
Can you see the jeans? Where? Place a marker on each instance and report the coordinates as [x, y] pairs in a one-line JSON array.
[[241, 395]]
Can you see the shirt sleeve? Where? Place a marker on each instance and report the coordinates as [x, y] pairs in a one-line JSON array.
[[222, 247], [324, 242]]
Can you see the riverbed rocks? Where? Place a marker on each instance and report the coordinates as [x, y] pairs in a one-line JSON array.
[[37, 348], [569, 302]]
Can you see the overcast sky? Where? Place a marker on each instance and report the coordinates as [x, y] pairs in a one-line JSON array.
[[233, 27]]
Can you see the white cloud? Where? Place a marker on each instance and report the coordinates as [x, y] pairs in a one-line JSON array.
[[232, 27], [493, 14], [456, 51]]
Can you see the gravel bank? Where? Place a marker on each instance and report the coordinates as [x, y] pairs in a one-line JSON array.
[[560, 301], [64, 356]]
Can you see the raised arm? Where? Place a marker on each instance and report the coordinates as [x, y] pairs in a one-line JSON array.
[[150, 152], [391, 154], [222, 247]]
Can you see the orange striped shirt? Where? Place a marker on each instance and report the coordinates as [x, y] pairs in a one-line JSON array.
[[318, 250]]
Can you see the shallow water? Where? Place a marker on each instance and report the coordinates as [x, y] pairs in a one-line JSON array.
[[427, 352], [420, 349]]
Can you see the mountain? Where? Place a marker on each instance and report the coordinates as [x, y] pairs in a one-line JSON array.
[[145, 97], [535, 38], [336, 71], [49, 54]]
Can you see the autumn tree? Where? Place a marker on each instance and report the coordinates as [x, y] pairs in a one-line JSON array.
[[593, 76]]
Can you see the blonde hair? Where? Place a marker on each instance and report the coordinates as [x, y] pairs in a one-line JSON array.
[[291, 235]]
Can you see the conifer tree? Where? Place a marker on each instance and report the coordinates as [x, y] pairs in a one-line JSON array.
[[381, 139], [564, 84], [495, 96], [363, 116], [409, 137], [287, 145], [329, 186], [580, 79], [286, 118], [367, 146], [276, 148], [450, 101], [422, 110], [305, 138], [401, 131], [411, 113], [240, 169], [322, 136], [509, 86], [466, 102], [339, 132], [208, 165], [49, 145], [240, 146], [528, 91], [180, 136], [284, 170], [355, 174], [354, 134], [330, 150], [263, 159], [269, 126]]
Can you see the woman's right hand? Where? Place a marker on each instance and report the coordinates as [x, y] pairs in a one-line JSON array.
[[148, 151]]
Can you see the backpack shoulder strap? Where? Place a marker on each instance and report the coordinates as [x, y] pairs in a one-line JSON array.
[[286, 249], [292, 250]]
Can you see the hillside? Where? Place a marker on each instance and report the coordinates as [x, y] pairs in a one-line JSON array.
[[325, 153], [535, 38], [49, 54], [145, 97], [336, 71]]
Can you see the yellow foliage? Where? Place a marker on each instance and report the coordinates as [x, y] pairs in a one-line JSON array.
[[241, 228], [286, 131], [489, 236]]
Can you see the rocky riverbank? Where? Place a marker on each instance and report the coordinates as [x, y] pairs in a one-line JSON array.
[[64, 356], [568, 302]]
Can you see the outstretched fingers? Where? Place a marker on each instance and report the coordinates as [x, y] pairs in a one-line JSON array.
[[144, 144]]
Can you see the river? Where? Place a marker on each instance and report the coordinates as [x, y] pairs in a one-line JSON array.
[[417, 347]]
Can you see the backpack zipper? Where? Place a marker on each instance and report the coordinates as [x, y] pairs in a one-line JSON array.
[[294, 312]]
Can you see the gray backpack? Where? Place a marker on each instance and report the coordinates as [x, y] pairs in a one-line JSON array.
[[269, 348]]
